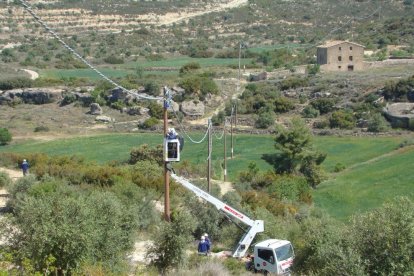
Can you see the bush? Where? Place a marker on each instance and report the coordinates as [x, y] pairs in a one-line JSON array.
[[114, 60], [5, 136], [41, 129], [265, 120], [13, 83], [191, 66], [342, 119], [310, 112], [339, 167], [377, 123], [169, 250], [152, 88], [324, 105], [4, 180], [283, 105], [149, 123], [146, 153], [68, 98], [218, 119]]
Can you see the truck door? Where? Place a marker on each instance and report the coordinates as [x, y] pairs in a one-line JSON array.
[[265, 260]]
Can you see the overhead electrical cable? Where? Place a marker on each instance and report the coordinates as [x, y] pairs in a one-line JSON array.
[[28, 8]]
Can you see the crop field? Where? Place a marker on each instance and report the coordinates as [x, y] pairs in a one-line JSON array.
[[376, 169]]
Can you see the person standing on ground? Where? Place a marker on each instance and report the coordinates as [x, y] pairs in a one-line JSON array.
[[203, 247], [207, 240], [25, 167]]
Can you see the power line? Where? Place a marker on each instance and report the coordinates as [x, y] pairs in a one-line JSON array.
[[28, 8]]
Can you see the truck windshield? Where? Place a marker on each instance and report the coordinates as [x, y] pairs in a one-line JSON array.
[[284, 252]]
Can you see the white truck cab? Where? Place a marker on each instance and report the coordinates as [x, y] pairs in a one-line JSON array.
[[274, 256]]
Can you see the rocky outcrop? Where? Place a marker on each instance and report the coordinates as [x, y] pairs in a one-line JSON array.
[[104, 119], [31, 95], [96, 109], [400, 115], [85, 99], [118, 94], [136, 110], [193, 108]]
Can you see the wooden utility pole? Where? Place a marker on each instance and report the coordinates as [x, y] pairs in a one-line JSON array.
[[225, 153], [166, 171], [231, 133], [209, 148]]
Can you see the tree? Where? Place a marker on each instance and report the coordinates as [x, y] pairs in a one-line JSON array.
[[342, 119], [296, 153], [5, 136], [169, 249]]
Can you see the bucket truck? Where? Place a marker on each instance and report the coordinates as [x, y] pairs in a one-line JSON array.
[[272, 255]]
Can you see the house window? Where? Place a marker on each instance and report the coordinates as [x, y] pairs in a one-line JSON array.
[[339, 67], [350, 48], [350, 68], [350, 58], [340, 48], [339, 58]]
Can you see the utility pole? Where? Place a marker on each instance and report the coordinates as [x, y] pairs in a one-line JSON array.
[[209, 148], [231, 131], [225, 149], [166, 171]]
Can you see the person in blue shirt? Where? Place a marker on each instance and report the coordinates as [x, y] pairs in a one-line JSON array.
[[25, 167], [207, 239], [203, 247]]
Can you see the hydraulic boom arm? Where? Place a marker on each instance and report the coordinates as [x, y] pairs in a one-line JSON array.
[[255, 226]]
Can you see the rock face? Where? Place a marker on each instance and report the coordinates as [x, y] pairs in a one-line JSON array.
[[193, 108], [31, 95], [104, 119], [85, 98], [400, 114], [117, 94], [96, 109], [136, 110]]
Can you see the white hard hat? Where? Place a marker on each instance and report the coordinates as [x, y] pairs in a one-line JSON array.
[[24, 160], [205, 235]]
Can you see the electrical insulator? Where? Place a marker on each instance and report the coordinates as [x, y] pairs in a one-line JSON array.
[[172, 146]]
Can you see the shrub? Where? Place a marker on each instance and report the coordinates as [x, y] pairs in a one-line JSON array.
[[149, 123], [339, 167], [283, 104], [4, 180], [218, 118], [146, 153], [377, 123], [114, 60], [5, 136], [265, 120], [310, 112], [152, 88], [324, 105], [41, 129], [68, 98], [13, 83], [169, 250], [156, 110], [342, 119], [191, 66]]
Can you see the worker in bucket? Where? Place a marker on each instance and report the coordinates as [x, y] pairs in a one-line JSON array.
[[203, 247]]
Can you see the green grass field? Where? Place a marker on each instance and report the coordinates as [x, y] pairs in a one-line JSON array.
[[130, 68], [374, 170]]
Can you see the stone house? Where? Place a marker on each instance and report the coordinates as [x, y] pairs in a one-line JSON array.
[[340, 56]]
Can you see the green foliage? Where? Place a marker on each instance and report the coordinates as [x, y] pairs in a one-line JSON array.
[[385, 238], [12, 83], [377, 123], [218, 119], [198, 86], [293, 82], [339, 167], [156, 110], [146, 153], [41, 129], [61, 227], [310, 112], [265, 120], [5, 136], [5, 180], [296, 152], [324, 105], [68, 98], [189, 67], [114, 60], [171, 240], [342, 119], [313, 69], [283, 104], [398, 91], [152, 88], [149, 123]]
